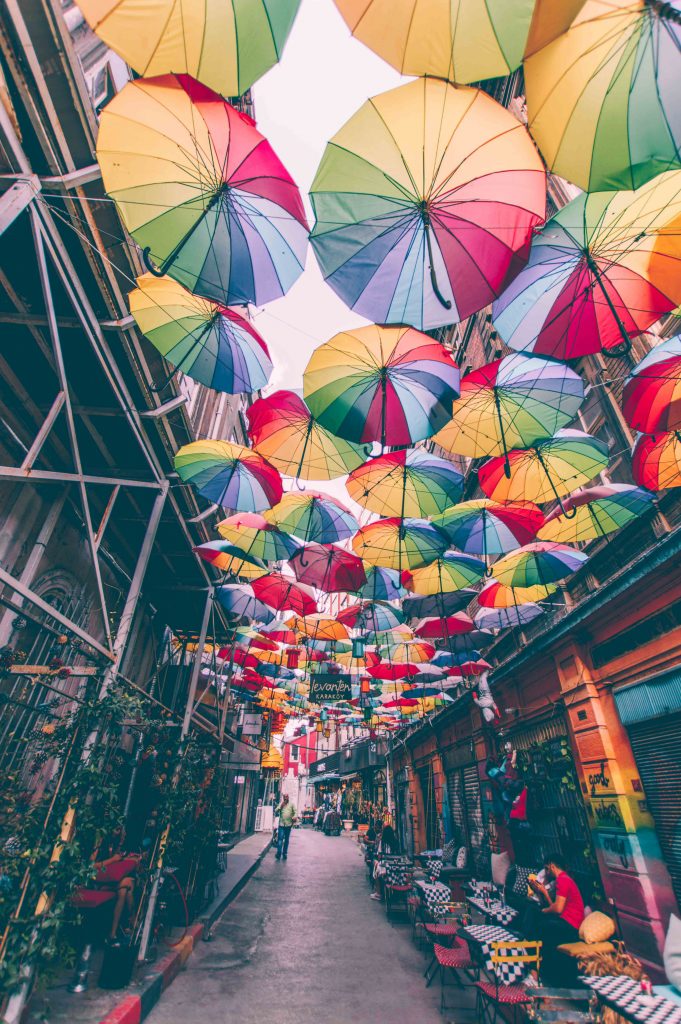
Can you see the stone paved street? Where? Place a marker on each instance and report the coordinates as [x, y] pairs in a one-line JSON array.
[[304, 943]]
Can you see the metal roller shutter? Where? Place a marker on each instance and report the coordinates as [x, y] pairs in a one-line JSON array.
[[657, 749], [476, 827], [457, 806]]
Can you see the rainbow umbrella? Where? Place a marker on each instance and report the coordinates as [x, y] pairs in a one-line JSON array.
[[328, 568], [425, 204], [461, 40], [381, 584], [602, 99], [241, 605], [442, 628], [371, 616], [600, 511], [319, 628], [511, 403], [651, 400], [253, 534], [505, 618], [656, 461], [421, 607], [497, 595], [411, 652], [229, 475], [230, 559], [453, 571], [593, 280], [315, 518], [547, 471], [201, 191], [399, 543], [284, 431], [388, 384], [208, 342], [538, 564], [281, 592], [227, 46], [489, 528], [406, 483]]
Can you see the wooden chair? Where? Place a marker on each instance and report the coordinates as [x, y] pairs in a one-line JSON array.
[[506, 958]]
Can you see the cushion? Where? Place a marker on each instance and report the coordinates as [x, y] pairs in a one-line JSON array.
[[521, 876], [580, 949], [461, 858], [501, 865], [672, 951], [599, 927]]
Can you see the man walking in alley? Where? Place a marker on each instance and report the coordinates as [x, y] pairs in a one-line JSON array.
[[287, 819]]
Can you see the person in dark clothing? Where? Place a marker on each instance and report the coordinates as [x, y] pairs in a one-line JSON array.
[[561, 917]]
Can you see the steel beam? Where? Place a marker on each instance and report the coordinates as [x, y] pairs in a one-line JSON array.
[[51, 476], [15, 200], [35, 449]]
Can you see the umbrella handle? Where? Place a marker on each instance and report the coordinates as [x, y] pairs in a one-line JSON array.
[[619, 351], [447, 303], [146, 257], [564, 511]]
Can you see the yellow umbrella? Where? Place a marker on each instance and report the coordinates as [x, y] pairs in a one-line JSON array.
[[318, 627]]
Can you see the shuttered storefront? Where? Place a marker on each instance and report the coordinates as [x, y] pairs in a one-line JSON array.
[[465, 804], [657, 749], [427, 780]]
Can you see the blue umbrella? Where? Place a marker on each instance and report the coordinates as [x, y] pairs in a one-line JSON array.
[[240, 603]]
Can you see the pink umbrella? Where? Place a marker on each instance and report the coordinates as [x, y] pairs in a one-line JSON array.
[[329, 568]]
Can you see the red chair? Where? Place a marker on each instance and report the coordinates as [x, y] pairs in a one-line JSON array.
[[451, 958], [96, 923], [505, 956]]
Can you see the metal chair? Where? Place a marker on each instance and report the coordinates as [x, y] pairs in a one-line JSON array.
[[507, 958]]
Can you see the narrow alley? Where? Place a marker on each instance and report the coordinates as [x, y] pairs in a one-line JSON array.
[[304, 942]]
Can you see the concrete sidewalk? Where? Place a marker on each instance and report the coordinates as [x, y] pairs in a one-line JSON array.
[[132, 1004]]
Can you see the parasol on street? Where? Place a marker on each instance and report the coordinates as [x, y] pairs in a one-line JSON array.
[[498, 595], [406, 483], [437, 628], [253, 534], [538, 564], [229, 475], [381, 584], [399, 543], [651, 400], [416, 606], [505, 618], [656, 461], [453, 571], [283, 592], [328, 568], [600, 511], [230, 559], [490, 528], [241, 605], [314, 518]]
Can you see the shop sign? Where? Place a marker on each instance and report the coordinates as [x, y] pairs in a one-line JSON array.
[[328, 687], [252, 725], [239, 780]]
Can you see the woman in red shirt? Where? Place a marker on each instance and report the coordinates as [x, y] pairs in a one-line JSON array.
[[560, 920]]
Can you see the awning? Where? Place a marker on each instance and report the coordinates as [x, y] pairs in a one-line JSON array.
[[650, 698], [329, 777]]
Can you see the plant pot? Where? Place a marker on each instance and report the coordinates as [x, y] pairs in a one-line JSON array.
[[347, 824]]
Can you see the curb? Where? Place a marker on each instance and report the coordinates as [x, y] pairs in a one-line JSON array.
[[138, 1004]]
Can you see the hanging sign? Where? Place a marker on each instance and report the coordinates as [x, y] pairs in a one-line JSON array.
[[327, 687], [252, 724]]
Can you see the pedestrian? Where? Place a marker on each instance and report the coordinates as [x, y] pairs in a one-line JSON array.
[[387, 844], [287, 819]]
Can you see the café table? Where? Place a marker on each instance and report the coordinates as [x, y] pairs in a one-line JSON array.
[[624, 995], [496, 911], [480, 938]]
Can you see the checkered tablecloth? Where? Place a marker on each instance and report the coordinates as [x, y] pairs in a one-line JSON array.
[[398, 872], [496, 911], [433, 868], [624, 995], [484, 935], [480, 888], [435, 895]]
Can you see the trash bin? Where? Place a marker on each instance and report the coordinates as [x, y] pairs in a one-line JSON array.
[[118, 965]]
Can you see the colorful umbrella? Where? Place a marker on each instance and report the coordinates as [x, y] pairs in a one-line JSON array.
[[538, 564], [381, 585], [399, 543], [371, 616], [240, 603], [315, 518], [227, 46], [253, 534], [425, 204], [412, 652], [390, 670], [511, 403], [281, 592], [602, 99], [488, 528], [656, 461], [210, 343], [443, 628], [547, 471], [228, 558], [283, 430], [591, 281], [497, 595], [406, 483], [504, 618], [454, 571], [388, 384], [417, 607], [600, 511], [229, 475], [462, 40], [201, 191], [328, 568], [319, 627], [651, 400]]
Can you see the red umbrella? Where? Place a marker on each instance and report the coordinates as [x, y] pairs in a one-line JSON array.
[[468, 668], [283, 592], [238, 656], [440, 629], [401, 702], [263, 643], [400, 670], [328, 568]]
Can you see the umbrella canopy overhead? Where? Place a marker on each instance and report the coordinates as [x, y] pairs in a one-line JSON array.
[[497, 595], [461, 40], [208, 342], [253, 534], [227, 46], [600, 511], [283, 592], [411, 652], [399, 543], [328, 568], [425, 203], [547, 471], [381, 584], [656, 461], [490, 528], [406, 483], [442, 628], [505, 618], [602, 99], [283, 430], [314, 518], [202, 191], [319, 628], [511, 403], [229, 475], [651, 400], [593, 280], [371, 616], [538, 564], [416, 606], [241, 605], [454, 571], [228, 558], [393, 385]]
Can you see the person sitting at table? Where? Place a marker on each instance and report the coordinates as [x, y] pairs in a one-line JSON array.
[[560, 919], [386, 843], [116, 870]]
